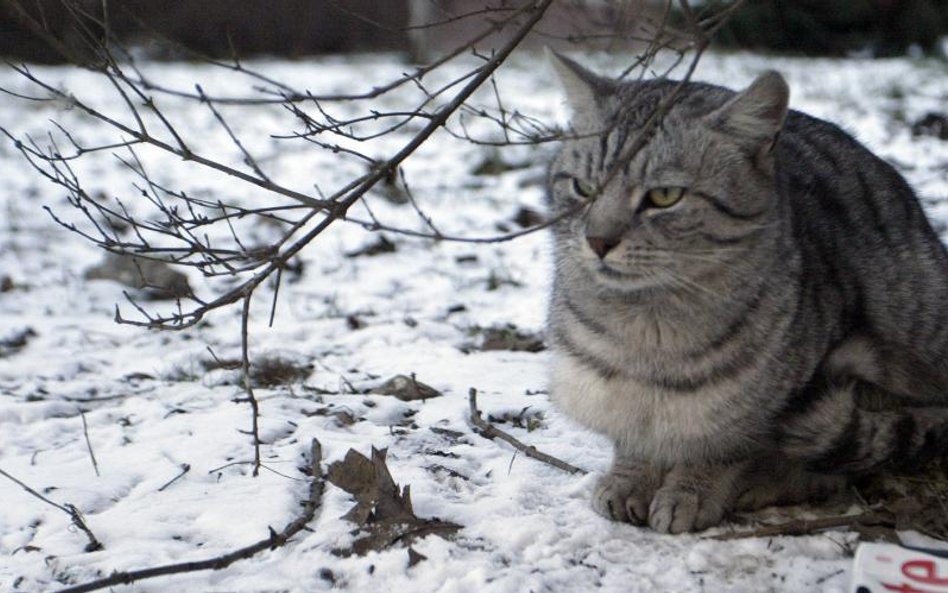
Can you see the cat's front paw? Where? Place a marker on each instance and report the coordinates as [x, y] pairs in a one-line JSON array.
[[679, 509], [625, 495], [693, 498]]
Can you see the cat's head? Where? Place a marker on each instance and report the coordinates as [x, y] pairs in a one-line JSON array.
[[697, 194]]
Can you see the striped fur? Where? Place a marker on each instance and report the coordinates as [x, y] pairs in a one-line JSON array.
[[764, 316]]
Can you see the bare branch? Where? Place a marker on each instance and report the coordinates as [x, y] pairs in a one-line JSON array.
[[85, 433], [179, 235], [811, 526], [146, 138], [490, 431], [248, 385], [273, 541], [74, 515]]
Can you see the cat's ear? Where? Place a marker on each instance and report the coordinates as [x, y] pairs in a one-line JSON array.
[[756, 114], [586, 91]]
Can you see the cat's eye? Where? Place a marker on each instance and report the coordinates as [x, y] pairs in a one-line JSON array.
[[663, 197], [583, 188]]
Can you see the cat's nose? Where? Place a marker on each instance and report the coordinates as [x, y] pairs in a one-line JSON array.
[[601, 245]]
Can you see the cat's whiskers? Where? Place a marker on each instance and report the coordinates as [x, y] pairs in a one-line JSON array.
[[688, 285], [711, 257]]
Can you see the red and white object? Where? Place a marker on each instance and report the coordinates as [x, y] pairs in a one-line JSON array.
[[883, 568]]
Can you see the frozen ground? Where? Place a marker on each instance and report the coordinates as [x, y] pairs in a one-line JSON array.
[[150, 406]]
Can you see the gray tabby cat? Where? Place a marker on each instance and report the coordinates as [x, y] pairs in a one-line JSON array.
[[753, 308]]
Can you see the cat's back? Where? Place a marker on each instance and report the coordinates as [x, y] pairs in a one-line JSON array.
[[826, 176], [862, 231]]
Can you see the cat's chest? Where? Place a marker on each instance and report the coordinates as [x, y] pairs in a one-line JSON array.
[[643, 420]]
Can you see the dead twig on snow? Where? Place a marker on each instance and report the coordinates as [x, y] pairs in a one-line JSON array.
[[85, 433], [185, 468], [811, 526], [489, 431], [273, 541], [74, 514]]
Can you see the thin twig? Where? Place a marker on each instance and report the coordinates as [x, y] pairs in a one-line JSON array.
[[185, 468], [248, 158], [248, 385], [74, 514], [809, 526], [276, 294], [273, 541], [489, 431], [143, 138], [85, 433], [226, 465]]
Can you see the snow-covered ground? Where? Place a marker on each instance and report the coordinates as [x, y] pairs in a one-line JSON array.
[[150, 405]]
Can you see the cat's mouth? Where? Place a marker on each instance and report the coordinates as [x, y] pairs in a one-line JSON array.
[[629, 278], [610, 272], [625, 279]]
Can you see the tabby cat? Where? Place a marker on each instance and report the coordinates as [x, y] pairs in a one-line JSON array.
[[753, 307]]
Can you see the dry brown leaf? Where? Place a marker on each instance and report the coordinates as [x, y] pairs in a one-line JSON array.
[[383, 511], [406, 388]]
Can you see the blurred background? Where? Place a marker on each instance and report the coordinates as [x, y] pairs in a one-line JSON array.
[[420, 28]]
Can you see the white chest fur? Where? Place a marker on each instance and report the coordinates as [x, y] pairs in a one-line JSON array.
[[644, 421]]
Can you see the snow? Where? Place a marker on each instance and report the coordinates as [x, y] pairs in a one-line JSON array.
[[151, 407]]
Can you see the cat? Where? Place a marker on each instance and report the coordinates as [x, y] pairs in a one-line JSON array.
[[753, 308]]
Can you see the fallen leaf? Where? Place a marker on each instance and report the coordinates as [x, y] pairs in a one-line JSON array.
[[406, 388], [506, 337], [16, 341], [383, 511], [414, 557]]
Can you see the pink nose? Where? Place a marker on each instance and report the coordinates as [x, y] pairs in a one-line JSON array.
[[601, 245]]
